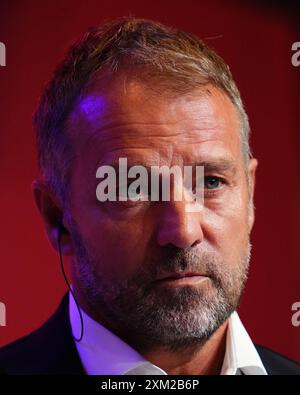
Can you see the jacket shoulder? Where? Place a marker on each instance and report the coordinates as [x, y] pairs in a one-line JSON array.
[[48, 350], [277, 364]]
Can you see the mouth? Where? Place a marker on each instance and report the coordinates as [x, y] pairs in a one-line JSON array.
[[178, 279]]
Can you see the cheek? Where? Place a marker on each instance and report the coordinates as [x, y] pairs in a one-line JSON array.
[[116, 244], [117, 247], [227, 228]]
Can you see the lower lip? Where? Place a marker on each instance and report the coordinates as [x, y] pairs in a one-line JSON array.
[[189, 280]]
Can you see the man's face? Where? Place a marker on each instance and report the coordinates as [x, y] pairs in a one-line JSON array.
[[122, 250]]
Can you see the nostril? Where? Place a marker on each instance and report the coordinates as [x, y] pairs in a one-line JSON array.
[[196, 242]]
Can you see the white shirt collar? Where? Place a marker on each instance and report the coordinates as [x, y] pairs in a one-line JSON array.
[[102, 352], [240, 353]]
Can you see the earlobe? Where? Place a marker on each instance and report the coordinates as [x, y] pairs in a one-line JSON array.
[[52, 214], [63, 238], [253, 163]]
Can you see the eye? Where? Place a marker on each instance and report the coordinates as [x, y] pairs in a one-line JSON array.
[[212, 182]]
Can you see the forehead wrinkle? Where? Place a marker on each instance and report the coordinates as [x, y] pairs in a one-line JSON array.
[[128, 140], [144, 133], [94, 109], [130, 130], [152, 142], [207, 124]]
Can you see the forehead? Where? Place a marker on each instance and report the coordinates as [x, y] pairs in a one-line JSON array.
[[119, 114]]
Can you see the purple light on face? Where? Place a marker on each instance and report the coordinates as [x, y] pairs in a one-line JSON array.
[[92, 107]]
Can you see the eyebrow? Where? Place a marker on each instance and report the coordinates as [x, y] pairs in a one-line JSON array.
[[219, 165]]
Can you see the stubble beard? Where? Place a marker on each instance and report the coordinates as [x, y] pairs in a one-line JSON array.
[[148, 315]]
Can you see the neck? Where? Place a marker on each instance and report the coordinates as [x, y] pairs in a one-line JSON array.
[[205, 359]]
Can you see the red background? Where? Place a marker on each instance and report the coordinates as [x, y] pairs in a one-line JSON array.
[[256, 42]]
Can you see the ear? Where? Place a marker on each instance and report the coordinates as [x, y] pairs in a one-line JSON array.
[[52, 216], [252, 166]]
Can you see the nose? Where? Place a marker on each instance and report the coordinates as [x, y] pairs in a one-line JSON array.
[[177, 226]]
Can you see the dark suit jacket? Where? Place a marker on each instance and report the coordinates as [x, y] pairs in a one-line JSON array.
[[51, 350]]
